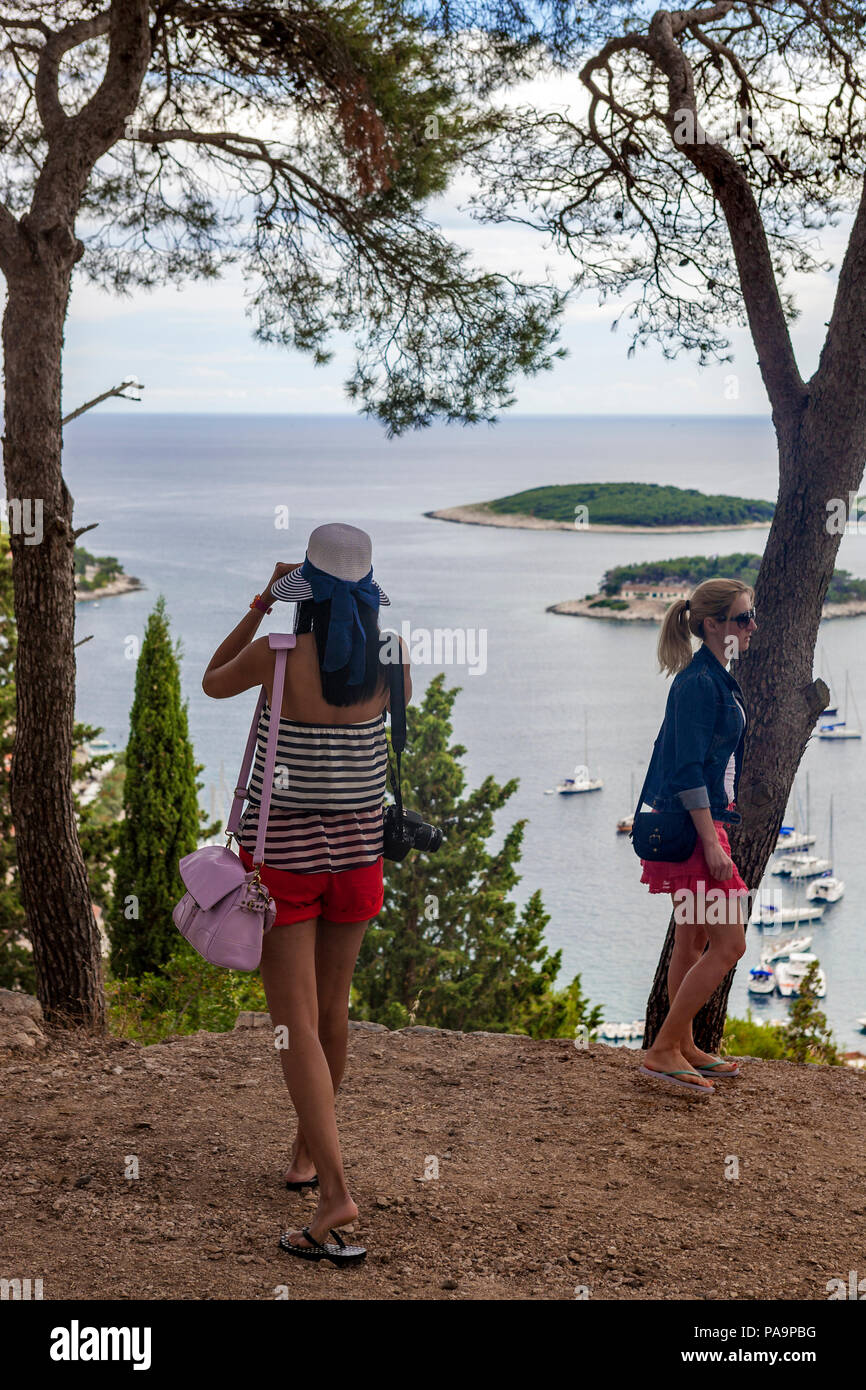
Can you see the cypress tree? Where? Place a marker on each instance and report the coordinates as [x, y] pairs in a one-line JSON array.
[[450, 949], [161, 817]]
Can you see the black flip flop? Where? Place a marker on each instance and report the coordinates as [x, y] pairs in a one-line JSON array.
[[305, 1182], [339, 1254]]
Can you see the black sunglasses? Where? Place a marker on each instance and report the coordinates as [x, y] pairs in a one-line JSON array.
[[742, 619]]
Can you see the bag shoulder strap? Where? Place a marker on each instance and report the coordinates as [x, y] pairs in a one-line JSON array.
[[640, 803], [397, 706], [281, 643]]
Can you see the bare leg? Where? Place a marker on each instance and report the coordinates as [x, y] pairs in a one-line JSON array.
[[727, 943], [288, 971], [689, 943], [335, 964]]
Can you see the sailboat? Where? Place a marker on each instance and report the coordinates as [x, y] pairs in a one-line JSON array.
[[789, 862], [795, 864], [790, 974], [771, 954], [790, 840], [811, 866], [831, 685], [825, 888], [840, 728], [581, 781], [769, 914], [762, 979], [624, 826]]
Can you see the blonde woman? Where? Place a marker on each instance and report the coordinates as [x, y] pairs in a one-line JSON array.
[[695, 768]]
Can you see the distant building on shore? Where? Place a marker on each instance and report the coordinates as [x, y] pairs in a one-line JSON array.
[[666, 589]]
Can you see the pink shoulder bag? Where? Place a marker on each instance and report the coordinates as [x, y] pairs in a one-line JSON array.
[[226, 909]]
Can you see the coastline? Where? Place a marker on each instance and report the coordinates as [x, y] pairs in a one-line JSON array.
[[652, 610], [479, 514], [126, 584]]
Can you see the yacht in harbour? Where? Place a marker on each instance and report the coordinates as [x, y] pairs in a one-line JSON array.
[[582, 781], [790, 974]]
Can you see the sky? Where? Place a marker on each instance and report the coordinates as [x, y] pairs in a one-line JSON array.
[[192, 345]]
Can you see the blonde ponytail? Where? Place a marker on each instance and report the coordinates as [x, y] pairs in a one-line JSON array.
[[675, 646]]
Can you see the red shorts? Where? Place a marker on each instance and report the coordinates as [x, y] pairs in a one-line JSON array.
[[352, 895], [666, 876]]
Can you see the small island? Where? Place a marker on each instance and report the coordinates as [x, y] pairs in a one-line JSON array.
[[639, 507], [100, 576], [644, 592]]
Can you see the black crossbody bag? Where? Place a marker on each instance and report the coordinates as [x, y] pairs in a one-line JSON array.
[[669, 836]]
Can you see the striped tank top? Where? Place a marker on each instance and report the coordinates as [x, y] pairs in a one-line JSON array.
[[326, 800]]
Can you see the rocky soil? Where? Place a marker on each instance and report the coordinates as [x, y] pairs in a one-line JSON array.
[[485, 1167]]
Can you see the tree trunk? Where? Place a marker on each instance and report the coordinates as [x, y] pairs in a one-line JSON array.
[[818, 463], [52, 872]]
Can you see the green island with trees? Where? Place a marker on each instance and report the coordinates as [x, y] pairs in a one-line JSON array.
[[686, 572], [642, 506], [694, 569], [97, 574]]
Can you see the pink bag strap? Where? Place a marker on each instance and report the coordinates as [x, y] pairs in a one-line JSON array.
[[281, 642]]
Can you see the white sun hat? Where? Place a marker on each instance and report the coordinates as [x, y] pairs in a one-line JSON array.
[[342, 551]]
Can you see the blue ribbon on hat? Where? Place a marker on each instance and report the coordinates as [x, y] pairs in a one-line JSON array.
[[347, 640]]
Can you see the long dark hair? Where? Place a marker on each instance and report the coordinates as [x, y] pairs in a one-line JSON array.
[[316, 618]]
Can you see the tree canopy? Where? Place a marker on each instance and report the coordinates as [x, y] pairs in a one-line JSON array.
[[299, 140], [634, 504], [709, 145]]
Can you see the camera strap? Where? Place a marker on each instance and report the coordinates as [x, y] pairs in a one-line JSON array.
[[398, 725]]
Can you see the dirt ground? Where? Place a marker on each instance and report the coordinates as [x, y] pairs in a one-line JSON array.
[[559, 1170]]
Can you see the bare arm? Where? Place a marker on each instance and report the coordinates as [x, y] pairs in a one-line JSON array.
[[703, 819], [238, 663], [719, 863]]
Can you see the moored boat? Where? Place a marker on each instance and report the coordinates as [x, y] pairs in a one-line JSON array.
[[790, 974]]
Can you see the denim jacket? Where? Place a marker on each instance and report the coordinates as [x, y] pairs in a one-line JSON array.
[[702, 727]]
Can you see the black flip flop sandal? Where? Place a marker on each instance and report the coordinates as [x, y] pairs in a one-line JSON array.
[[339, 1254], [305, 1182]]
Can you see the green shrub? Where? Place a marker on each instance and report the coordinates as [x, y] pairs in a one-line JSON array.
[[187, 995]]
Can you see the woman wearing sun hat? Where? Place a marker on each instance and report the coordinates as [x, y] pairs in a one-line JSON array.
[[323, 845], [695, 768]]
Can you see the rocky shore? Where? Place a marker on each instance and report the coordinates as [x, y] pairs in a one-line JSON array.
[[125, 584], [652, 610], [480, 514]]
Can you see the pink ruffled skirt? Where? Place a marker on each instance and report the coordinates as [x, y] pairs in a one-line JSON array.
[[666, 876]]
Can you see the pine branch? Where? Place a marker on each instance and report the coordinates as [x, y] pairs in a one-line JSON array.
[[120, 391]]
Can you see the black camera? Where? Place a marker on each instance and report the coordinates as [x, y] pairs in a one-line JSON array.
[[405, 830]]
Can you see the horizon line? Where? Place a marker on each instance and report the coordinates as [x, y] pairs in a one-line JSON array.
[[511, 415]]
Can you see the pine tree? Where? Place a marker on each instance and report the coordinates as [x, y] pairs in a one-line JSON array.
[[450, 949], [807, 1037], [161, 817], [16, 959], [96, 835]]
